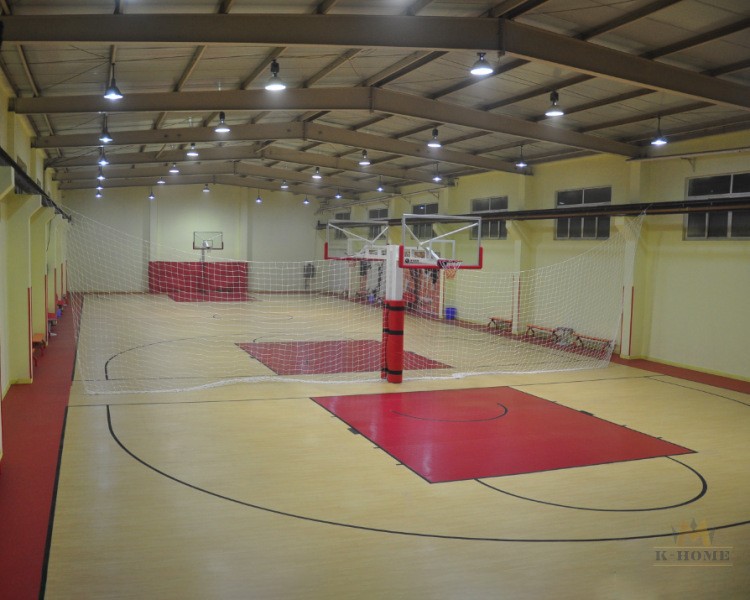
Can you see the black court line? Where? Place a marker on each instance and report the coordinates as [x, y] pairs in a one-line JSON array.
[[503, 412], [698, 496], [396, 531], [53, 507]]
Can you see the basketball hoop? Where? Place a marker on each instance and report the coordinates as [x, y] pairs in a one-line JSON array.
[[450, 266]]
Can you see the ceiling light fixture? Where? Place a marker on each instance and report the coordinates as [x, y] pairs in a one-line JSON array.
[[105, 138], [338, 195], [380, 187], [98, 194], [151, 195], [113, 92], [100, 175], [173, 169], [258, 199], [222, 127], [284, 185], [305, 201], [434, 142], [521, 164], [161, 181], [481, 67], [364, 161], [103, 162], [659, 140], [99, 187], [206, 189], [317, 174], [192, 152], [275, 84], [436, 177], [554, 110]]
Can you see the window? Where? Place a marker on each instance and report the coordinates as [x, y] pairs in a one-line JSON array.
[[583, 228], [376, 213], [730, 224], [423, 231], [341, 216], [491, 230]]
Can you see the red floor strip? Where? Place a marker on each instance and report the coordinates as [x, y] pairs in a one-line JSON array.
[[719, 381], [339, 356], [32, 419], [454, 435]]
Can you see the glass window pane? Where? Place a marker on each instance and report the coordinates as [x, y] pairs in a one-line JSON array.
[[575, 227], [718, 224], [498, 203], [503, 234], [741, 184], [741, 223], [589, 227], [597, 195], [705, 186], [569, 197], [602, 228], [696, 227], [480, 204], [562, 229]]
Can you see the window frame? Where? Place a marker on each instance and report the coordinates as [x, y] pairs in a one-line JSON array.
[[601, 226], [495, 229], [690, 218]]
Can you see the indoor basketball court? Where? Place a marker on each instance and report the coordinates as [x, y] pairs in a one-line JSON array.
[[303, 490], [397, 300]]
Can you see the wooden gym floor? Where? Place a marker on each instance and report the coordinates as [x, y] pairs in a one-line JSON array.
[[257, 491]]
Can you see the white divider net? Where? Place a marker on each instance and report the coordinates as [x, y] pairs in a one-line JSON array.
[[156, 319]]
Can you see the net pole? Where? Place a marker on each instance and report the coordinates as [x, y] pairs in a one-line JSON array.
[[394, 317]]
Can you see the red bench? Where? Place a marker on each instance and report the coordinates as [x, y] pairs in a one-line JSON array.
[[585, 341], [500, 323]]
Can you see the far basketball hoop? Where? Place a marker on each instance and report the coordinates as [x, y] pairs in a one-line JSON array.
[[441, 242]]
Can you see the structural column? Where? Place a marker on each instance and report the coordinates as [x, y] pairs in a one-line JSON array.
[[19, 211]]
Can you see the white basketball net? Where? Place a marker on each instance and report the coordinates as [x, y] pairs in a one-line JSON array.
[[152, 318]]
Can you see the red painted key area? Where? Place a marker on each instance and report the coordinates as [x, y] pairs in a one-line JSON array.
[[338, 356], [453, 435]]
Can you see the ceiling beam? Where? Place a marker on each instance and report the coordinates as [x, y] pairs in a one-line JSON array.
[[535, 44], [365, 99], [237, 153], [377, 31], [333, 162], [183, 135]]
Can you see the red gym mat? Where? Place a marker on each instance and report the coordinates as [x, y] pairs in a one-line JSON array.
[[339, 356], [453, 435]]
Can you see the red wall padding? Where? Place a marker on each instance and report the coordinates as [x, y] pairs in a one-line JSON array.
[[168, 276]]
